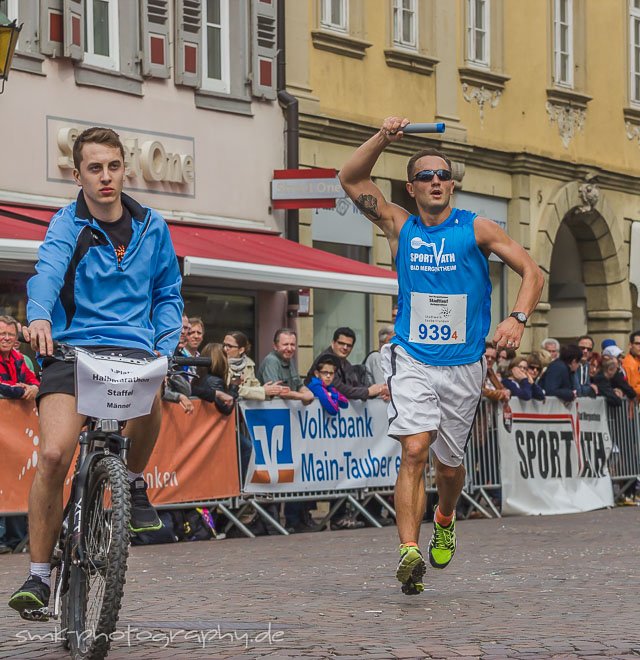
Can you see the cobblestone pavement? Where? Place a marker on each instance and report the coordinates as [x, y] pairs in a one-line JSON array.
[[538, 587]]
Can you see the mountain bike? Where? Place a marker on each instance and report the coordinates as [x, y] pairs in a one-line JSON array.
[[90, 557]]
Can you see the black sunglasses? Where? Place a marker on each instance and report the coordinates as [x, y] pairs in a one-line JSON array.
[[427, 175]]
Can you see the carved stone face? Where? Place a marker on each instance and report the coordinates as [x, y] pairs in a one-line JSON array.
[[589, 193]]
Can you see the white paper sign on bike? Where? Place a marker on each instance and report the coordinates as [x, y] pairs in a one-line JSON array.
[[299, 448], [109, 387], [554, 458]]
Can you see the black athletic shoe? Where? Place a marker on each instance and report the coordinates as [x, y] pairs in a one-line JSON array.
[[144, 517], [31, 601]]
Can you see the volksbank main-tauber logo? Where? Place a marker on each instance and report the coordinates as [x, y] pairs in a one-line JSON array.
[[435, 259], [270, 432]]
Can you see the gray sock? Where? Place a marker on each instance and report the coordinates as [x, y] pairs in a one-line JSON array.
[[42, 570]]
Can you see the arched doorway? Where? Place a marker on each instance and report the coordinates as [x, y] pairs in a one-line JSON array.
[[567, 292], [580, 246]]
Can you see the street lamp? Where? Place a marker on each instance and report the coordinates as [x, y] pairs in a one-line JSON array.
[[9, 31]]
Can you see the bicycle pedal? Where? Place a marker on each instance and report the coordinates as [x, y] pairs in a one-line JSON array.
[[40, 614]]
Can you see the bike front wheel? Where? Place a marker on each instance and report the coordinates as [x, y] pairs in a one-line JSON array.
[[96, 589]]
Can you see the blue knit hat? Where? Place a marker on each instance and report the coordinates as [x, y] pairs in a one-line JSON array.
[[608, 342]]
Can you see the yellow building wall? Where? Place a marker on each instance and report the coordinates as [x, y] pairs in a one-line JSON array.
[[343, 100]]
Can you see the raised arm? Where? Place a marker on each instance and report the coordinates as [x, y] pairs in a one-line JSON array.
[[355, 177], [491, 238]]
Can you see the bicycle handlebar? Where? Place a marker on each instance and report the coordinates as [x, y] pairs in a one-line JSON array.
[[67, 353], [181, 361]]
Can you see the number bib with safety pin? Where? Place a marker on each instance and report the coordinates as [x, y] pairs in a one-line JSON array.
[[438, 318]]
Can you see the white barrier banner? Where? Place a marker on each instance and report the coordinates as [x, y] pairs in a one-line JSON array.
[[554, 457], [300, 448]]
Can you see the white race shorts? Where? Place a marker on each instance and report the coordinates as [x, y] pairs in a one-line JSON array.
[[425, 398]]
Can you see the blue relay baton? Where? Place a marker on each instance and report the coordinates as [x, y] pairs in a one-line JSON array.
[[437, 127]]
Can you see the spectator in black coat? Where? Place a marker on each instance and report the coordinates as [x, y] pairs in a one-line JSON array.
[[558, 379], [210, 383], [612, 383], [350, 380], [582, 378]]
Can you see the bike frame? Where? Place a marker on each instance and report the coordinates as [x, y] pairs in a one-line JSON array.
[[99, 440]]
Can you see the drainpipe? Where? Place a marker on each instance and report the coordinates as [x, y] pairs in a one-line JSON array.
[[289, 104]]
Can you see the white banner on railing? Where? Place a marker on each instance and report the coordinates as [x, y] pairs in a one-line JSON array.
[[554, 457], [300, 448]]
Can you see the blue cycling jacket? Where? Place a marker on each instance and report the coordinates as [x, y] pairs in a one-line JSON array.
[[92, 300]]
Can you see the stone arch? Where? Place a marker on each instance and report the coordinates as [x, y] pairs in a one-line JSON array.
[[599, 233]]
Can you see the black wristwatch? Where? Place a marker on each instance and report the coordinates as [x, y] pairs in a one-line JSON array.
[[520, 317]]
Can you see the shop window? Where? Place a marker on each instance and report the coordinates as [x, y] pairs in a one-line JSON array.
[[13, 300], [222, 312], [497, 276], [334, 309]]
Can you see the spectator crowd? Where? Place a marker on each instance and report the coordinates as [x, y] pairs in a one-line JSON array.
[[567, 372]]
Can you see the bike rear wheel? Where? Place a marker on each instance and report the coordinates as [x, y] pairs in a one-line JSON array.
[[95, 590]]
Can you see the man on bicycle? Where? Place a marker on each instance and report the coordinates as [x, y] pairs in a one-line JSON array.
[[108, 279]]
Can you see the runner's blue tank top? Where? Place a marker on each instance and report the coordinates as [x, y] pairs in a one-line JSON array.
[[444, 299]]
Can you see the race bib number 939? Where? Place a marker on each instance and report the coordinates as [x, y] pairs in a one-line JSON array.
[[438, 318]]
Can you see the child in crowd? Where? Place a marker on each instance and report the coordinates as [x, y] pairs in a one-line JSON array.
[[210, 383], [321, 384]]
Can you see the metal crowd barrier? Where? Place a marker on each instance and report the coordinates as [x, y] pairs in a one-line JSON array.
[[482, 483], [624, 462], [482, 459]]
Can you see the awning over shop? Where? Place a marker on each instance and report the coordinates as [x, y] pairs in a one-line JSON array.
[[269, 261], [21, 232], [260, 260]]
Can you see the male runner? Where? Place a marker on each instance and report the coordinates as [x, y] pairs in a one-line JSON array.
[[434, 364], [107, 277]]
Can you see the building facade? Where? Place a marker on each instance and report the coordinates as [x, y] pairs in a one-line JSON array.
[[191, 87], [543, 131]]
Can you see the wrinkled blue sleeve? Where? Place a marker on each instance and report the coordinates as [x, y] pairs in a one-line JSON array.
[[167, 304], [54, 255]]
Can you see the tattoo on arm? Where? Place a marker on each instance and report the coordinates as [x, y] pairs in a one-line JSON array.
[[368, 204]]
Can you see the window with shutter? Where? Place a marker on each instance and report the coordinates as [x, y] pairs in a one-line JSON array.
[[154, 22], [27, 56], [263, 41], [73, 29], [51, 30], [215, 46], [188, 42], [102, 38]]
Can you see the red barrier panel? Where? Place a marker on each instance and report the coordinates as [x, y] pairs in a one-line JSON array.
[[195, 458]]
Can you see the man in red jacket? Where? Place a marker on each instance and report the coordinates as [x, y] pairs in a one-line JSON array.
[[17, 381]]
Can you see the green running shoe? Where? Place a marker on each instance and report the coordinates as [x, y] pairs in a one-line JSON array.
[[411, 569], [31, 601], [442, 546]]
